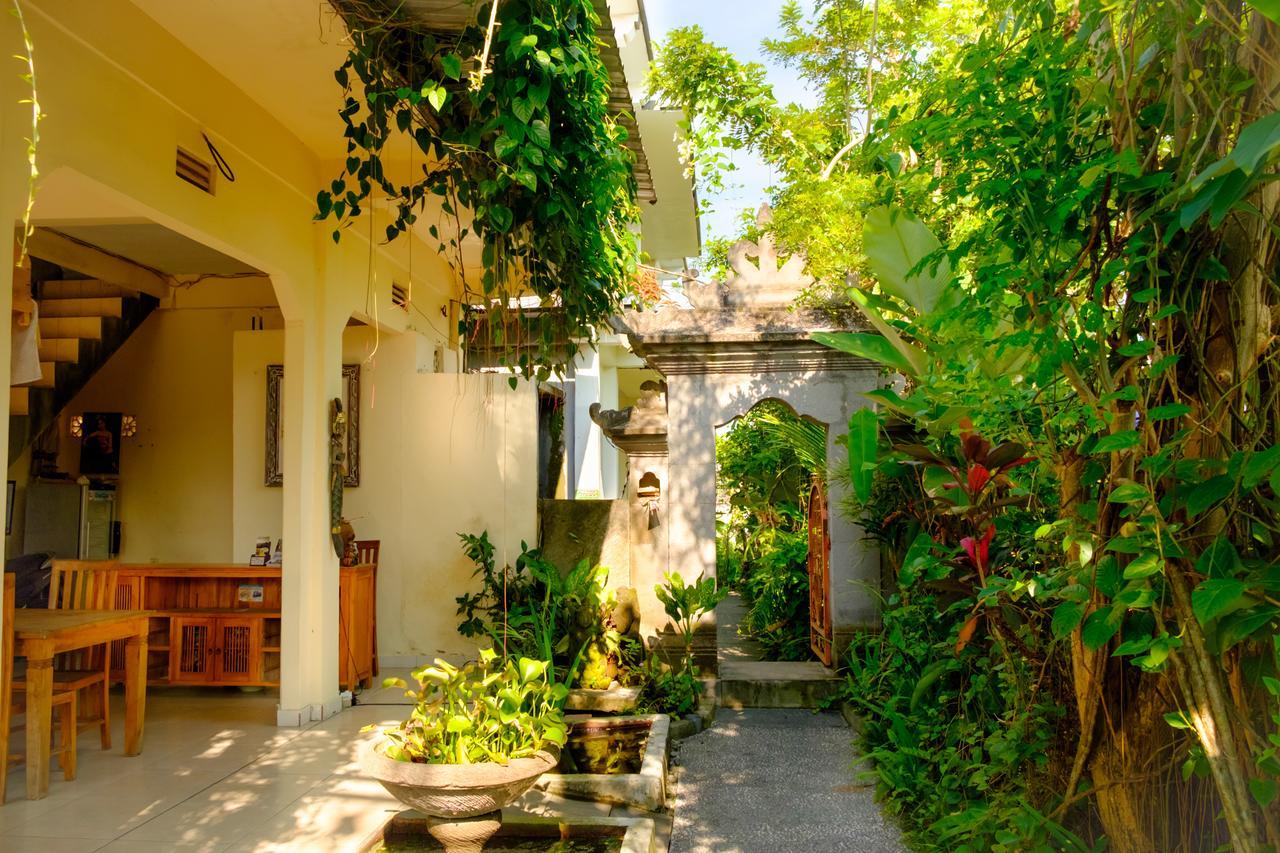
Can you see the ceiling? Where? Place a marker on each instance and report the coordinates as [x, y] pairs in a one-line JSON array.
[[154, 246], [282, 53]]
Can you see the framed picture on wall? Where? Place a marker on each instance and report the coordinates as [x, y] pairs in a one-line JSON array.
[[275, 422], [100, 444]]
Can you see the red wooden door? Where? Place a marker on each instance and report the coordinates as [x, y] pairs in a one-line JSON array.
[[820, 621]]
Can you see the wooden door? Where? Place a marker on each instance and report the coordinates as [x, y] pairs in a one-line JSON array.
[[191, 643], [237, 651], [820, 616]]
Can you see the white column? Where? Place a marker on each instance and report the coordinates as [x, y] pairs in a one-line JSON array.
[[309, 607], [587, 436], [610, 488]]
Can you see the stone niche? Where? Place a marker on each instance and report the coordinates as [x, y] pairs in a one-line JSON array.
[[640, 431], [741, 342]]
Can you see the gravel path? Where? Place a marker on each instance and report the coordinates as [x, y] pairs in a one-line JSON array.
[[775, 781]]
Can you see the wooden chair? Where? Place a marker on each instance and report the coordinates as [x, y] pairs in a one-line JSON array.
[[367, 551], [85, 585], [64, 701]]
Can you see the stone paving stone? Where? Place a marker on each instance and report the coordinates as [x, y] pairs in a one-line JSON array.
[[776, 781]]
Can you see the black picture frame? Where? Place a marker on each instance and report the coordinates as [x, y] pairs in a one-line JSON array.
[[100, 444], [275, 423]]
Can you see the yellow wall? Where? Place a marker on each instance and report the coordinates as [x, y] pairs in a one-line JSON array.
[[120, 93], [440, 454], [174, 375]]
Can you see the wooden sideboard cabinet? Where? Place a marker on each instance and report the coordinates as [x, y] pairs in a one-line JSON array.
[[219, 625]]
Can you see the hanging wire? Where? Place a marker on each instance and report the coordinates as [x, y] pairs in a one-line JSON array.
[[221, 162]]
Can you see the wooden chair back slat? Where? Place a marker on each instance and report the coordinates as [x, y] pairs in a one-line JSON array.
[[83, 585], [367, 551]]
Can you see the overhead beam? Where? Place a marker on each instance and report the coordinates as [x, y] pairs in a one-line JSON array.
[[75, 255]]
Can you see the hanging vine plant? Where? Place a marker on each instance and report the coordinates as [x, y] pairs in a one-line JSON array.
[[510, 119]]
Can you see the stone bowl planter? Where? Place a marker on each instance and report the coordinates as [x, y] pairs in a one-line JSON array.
[[463, 802]]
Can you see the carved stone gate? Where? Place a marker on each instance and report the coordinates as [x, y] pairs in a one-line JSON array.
[[742, 342]]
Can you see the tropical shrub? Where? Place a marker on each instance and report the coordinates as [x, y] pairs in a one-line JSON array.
[[686, 603], [490, 710], [675, 688], [765, 464], [1059, 221], [959, 692], [531, 610], [776, 590]]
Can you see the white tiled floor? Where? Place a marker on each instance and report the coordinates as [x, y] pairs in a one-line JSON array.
[[215, 774]]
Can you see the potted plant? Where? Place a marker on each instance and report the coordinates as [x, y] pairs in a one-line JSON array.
[[479, 736]]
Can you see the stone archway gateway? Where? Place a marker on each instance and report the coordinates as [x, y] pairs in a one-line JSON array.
[[741, 342]]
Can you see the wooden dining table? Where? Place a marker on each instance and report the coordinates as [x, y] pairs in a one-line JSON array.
[[41, 634]]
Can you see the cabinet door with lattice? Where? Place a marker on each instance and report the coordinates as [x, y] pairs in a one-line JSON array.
[[237, 652], [191, 643]]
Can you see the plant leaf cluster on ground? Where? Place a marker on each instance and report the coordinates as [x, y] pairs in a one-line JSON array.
[[569, 620]]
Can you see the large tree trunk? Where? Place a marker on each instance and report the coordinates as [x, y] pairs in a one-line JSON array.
[[1130, 734]]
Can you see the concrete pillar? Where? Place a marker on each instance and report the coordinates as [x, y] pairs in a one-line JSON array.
[[610, 487], [650, 540], [692, 443], [587, 438], [309, 607]]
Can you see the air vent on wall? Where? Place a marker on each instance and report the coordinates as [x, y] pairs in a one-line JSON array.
[[400, 296], [194, 171]]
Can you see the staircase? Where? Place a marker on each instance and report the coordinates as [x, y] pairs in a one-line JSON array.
[[82, 323]]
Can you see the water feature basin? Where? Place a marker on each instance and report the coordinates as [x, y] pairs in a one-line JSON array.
[[616, 760]]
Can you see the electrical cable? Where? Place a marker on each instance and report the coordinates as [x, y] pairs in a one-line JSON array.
[[218, 160]]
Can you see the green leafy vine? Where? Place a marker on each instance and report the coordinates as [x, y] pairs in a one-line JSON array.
[[522, 160], [29, 76]]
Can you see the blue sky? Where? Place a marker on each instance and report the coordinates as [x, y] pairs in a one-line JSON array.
[[739, 25]]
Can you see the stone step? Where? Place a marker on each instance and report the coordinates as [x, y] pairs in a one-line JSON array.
[[19, 402], [80, 289], [775, 684], [60, 349], [71, 327], [89, 306]]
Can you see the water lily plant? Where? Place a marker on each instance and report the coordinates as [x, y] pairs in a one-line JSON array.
[[490, 710]]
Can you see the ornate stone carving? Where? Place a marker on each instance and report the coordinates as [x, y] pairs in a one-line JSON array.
[[764, 283], [610, 420], [641, 428], [653, 395]]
